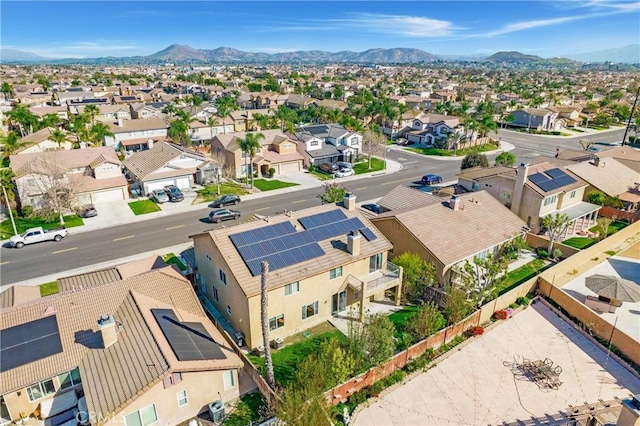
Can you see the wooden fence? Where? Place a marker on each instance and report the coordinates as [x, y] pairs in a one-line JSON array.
[[607, 211]]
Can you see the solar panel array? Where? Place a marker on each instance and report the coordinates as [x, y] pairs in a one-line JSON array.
[[281, 245], [29, 342], [551, 179], [190, 341]]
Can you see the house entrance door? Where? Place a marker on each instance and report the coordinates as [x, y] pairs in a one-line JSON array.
[[339, 302]]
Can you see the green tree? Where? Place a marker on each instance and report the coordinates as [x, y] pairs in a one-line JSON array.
[[480, 275], [555, 225], [474, 159], [79, 124], [339, 361], [60, 137], [98, 132], [427, 320], [179, 132], [6, 180], [454, 141], [333, 192], [250, 145], [380, 345], [457, 306], [417, 275], [596, 197], [11, 143], [6, 88], [91, 111], [24, 118], [48, 120], [505, 159], [373, 144], [604, 223]]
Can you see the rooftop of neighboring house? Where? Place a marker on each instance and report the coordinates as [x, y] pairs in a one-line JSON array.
[[44, 110], [140, 356], [294, 231], [608, 175], [143, 163], [249, 113], [403, 197], [37, 137], [322, 131], [538, 112], [126, 126], [18, 295], [70, 159], [480, 222], [230, 140]]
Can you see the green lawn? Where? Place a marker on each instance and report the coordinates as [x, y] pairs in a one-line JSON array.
[[376, 165], [321, 176], [449, 153], [270, 185], [143, 207], [286, 359], [250, 409], [400, 318], [172, 259], [520, 275], [22, 224], [210, 192], [49, 288], [613, 228], [579, 242]]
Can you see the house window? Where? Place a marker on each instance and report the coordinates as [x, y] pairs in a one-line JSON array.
[[143, 417], [215, 293], [40, 390], [229, 380], [292, 288], [310, 310], [67, 380], [335, 273], [314, 143], [209, 258], [550, 200], [375, 262], [505, 195], [229, 309], [223, 277], [182, 398], [276, 322], [474, 186], [573, 194]]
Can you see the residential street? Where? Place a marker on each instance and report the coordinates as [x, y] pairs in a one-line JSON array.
[[89, 248]]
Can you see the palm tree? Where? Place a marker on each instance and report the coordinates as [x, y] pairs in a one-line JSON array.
[[213, 121], [471, 126], [11, 143], [48, 120], [485, 125], [195, 102], [79, 127], [455, 140], [250, 145], [91, 111], [59, 137], [98, 132], [179, 132], [25, 119], [264, 319]]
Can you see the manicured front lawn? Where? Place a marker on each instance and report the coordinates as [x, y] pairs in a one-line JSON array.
[[579, 242], [449, 153], [210, 192], [49, 288], [376, 165], [143, 207], [286, 359], [250, 409], [520, 275], [321, 176], [613, 228], [270, 185], [172, 259], [23, 223]]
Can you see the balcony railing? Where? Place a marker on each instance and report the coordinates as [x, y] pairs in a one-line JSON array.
[[387, 274]]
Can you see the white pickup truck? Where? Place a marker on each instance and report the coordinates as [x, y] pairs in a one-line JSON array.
[[37, 235]]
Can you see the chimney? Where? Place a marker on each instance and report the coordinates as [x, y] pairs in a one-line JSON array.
[[108, 331], [353, 242], [596, 161], [521, 177], [150, 143], [454, 203], [350, 201], [119, 122]]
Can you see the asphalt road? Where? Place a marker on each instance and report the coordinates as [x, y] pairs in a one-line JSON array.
[[107, 244]]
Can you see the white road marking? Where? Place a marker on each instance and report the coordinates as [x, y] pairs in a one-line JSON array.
[[62, 251], [299, 201], [264, 208], [360, 189], [124, 238], [410, 162], [172, 227], [4, 263]]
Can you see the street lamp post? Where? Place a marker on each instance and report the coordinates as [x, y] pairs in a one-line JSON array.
[[626, 130], [13, 222], [219, 178], [385, 157]]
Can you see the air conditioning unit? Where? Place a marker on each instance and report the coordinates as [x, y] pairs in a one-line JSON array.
[[216, 411]]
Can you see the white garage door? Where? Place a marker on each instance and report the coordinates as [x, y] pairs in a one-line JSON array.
[[182, 183], [107, 196], [289, 167], [157, 185]]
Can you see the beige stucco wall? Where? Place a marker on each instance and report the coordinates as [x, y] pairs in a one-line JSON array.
[[18, 402], [202, 388], [107, 170], [46, 145]]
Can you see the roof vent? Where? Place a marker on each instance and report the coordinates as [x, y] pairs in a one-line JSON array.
[[107, 329]]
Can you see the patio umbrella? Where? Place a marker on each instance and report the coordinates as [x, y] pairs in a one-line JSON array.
[[613, 287]]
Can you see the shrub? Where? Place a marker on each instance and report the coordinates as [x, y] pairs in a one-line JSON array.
[[556, 254], [523, 301], [513, 305], [542, 253], [272, 172], [477, 331], [500, 315], [27, 211]]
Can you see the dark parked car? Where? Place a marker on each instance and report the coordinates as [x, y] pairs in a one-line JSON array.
[[87, 211], [225, 200], [431, 179], [174, 193], [327, 168], [219, 215], [344, 165], [373, 208]]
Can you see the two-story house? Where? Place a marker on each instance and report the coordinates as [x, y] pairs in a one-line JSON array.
[[244, 120], [426, 129], [322, 261], [107, 113], [130, 345], [327, 143], [127, 131], [535, 191], [166, 163], [91, 175], [537, 119], [277, 151]]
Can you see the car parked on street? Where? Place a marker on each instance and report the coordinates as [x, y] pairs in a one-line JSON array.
[[159, 196], [344, 173], [174, 193], [87, 211], [217, 216], [225, 200], [431, 179], [375, 208], [37, 235]]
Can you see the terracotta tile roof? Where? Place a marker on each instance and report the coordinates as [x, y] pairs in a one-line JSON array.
[[89, 279], [143, 163], [37, 137], [229, 140], [480, 223], [17, 295], [335, 249], [624, 152], [543, 167], [403, 197], [610, 176], [482, 172], [89, 183]]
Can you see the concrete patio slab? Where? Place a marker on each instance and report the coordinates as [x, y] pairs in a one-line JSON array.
[[475, 386]]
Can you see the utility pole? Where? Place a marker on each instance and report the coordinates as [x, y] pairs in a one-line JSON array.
[[13, 222], [626, 130]]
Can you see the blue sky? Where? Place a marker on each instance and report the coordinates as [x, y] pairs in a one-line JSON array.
[[126, 28]]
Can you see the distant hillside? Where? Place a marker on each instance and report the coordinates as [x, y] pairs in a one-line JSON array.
[[177, 52], [14, 55], [628, 55], [512, 57]]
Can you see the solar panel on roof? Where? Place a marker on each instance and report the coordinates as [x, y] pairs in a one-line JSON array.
[[368, 234], [320, 219], [190, 341], [548, 186], [538, 178], [564, 180], [29, 342], [555, 173]]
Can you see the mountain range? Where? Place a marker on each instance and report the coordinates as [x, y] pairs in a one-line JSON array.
[[182, 53]]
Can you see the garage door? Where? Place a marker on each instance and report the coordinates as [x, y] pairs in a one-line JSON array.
[[182, 183], [289, 167], [150, 186], [107, 196]]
